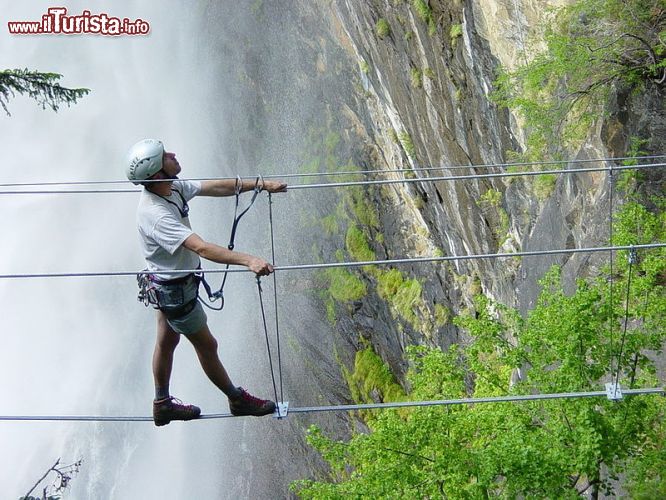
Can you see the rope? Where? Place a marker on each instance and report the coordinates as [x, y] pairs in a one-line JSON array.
[[353, 407], [219, 294], [275, 298], [297, 267], [374, 182], [268, 345], [342, 172]]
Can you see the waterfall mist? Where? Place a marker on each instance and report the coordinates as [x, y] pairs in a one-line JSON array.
[[84, 346]]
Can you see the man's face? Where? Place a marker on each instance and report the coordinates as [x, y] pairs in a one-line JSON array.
[[170, 165]]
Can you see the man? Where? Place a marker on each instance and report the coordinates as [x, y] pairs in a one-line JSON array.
[[169, 244]]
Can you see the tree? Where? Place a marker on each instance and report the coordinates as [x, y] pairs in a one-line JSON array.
[[63, 475], [546, 449], [591, 45], [42, 87]]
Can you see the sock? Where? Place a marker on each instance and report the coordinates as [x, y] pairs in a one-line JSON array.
[[161, 393], [233, 392]]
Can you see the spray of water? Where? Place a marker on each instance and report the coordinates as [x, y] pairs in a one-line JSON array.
[[78, 347], [84, 346]]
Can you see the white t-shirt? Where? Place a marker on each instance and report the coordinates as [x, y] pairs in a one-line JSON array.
[[162, 230]]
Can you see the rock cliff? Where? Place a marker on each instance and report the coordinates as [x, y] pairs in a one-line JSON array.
[[404, 87]]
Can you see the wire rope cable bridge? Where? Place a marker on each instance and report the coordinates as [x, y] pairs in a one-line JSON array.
[[613, 390]]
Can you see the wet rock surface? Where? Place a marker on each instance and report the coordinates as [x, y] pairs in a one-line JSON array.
[[414, 98]]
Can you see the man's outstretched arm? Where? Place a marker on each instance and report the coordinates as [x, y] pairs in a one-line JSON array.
[[221, 255], [227, 187]]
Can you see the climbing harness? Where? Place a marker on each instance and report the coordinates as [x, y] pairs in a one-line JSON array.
[[166, 295], [159, 293]]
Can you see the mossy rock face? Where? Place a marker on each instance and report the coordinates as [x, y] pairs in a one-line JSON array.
[[416, 78], [357, 245], [388, 283], [330, 225], [345, 286], [407, 144], [442, 315], [372, 380], [403, 295], [405, 300], [544, 185], [455, 32], [382, 28]]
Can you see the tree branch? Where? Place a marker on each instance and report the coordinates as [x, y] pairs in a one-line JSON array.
[[53, 467], [409, 454]]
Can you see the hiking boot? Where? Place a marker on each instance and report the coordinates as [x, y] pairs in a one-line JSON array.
[[247, 404], [169, 409]]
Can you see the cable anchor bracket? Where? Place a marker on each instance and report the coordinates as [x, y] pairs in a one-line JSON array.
[[613, 391], [281, 410]]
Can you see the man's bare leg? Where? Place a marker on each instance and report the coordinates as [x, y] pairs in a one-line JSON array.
[[165, 345], [240, 401], [205, 346]]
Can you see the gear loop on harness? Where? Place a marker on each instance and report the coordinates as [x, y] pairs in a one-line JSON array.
[[160, 293]]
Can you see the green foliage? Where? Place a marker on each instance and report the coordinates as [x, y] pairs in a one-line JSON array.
[[344, 286], [492, 197], [455, 32], [361, 207], [647, 477], [372, 379], [42, 87], [424, 12], [536, 449], [388, 283], [331, 141], [357, 245], [544, 185], [416, 78], [629, 179], [365, 67], [403, 295], [407, 144], [429, 73], [590, 46], [382, 28], [330, 225], [442, 315], [331, 315]]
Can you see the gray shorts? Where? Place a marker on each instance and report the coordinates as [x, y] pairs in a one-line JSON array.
[[173, 297]]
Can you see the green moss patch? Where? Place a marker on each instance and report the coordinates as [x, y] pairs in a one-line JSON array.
[[372, 378], [344, 286]]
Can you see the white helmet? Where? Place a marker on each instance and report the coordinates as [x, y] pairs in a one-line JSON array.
[[144, 160]]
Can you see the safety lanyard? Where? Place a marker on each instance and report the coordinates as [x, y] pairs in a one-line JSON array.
[[219, 295]]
